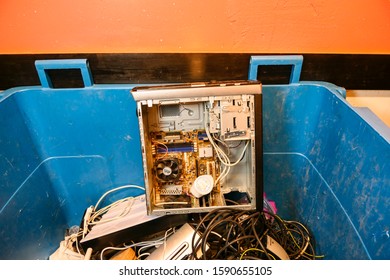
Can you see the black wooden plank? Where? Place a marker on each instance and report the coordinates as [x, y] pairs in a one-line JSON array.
[[352, 71]]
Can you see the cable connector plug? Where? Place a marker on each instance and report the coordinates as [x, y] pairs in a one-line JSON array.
[[87, 217]]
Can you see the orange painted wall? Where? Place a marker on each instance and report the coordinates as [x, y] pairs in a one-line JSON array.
[[269, 26]]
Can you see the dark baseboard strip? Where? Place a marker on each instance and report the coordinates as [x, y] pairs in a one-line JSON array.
[[352, 71]]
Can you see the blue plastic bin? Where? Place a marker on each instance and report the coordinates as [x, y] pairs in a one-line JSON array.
[[61, 149]]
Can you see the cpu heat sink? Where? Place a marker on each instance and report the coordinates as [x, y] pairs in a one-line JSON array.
[[168, 170]]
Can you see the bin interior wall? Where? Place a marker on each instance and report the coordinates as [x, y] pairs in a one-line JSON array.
[[326, 167], [61, 149]]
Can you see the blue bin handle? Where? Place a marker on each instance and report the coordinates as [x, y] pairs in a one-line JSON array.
[[82, 64], [294, 60]]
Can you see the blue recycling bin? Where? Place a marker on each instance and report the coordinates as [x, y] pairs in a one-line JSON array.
[[325, 164]]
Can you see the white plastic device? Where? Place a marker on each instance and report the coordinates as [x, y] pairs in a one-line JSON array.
[[202, 185], [178, 246]]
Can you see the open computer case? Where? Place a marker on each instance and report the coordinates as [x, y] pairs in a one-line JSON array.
[[201, 146]]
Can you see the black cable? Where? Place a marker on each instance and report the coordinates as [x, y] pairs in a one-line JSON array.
[[229, 233], [236, 240]]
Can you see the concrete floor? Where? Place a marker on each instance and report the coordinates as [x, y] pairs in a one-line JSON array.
[[377, 101]]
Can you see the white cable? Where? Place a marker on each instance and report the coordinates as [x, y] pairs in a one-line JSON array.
[[223, 143], [92, 212], [149, 246], [88, 254], [222, 156], [104, 210], [87, 217], [229, 164], [139, 244], [165, 243], [241, 155], [159, 241], [142, 255], [117, 189]]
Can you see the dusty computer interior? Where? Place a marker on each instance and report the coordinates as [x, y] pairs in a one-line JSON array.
[[201, 146]]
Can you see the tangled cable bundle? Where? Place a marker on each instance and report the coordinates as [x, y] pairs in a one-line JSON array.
[[223, 233], [238, 235]]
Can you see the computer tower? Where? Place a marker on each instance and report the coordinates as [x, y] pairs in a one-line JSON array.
[[201, 146]]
